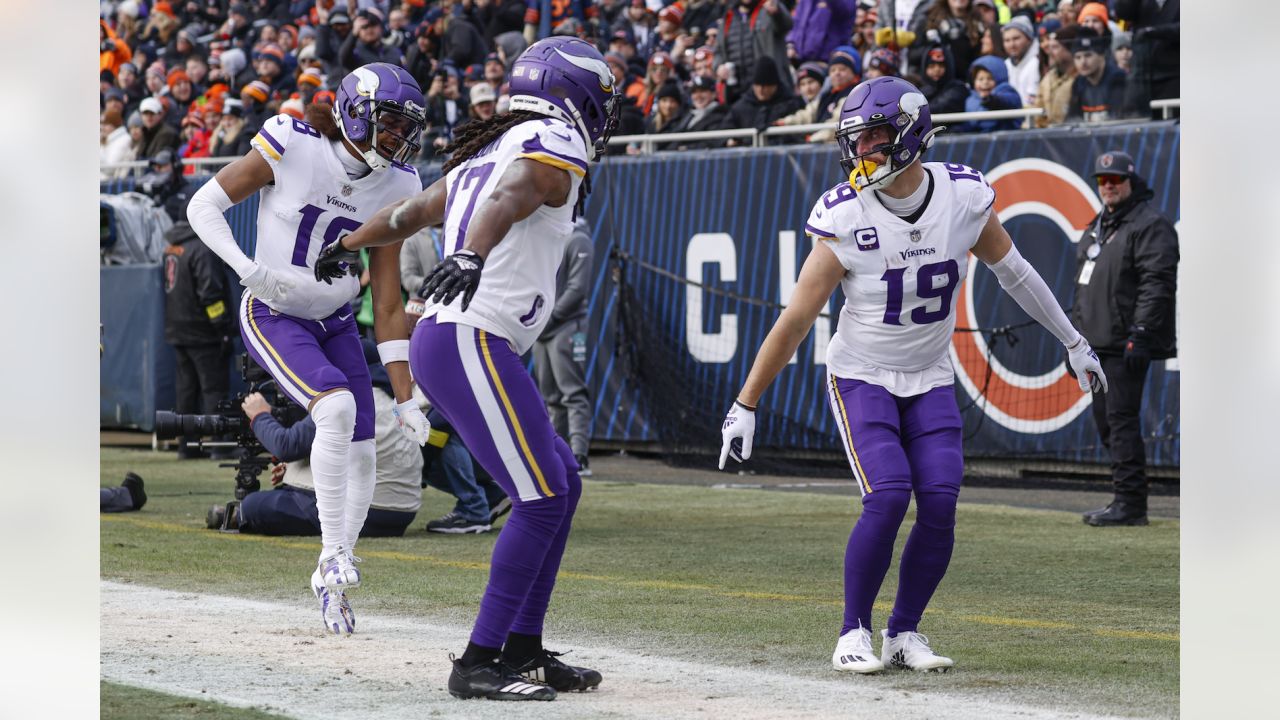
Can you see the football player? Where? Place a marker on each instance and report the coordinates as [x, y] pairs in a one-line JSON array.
[[512, 188], [320, 180], [896, 237]]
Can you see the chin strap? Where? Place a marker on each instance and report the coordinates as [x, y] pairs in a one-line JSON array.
[[371, 157]]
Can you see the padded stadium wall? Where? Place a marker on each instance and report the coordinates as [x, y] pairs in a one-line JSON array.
[[696, 251]]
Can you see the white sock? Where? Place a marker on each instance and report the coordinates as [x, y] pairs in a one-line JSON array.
[[335, 418], [361, 477]]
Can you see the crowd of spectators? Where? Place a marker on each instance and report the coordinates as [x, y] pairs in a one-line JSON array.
[[199, 76]]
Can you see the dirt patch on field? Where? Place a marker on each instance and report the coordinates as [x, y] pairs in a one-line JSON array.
[[275, 656]]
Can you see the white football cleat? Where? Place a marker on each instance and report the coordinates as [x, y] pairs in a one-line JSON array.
[[911, 651], [335, 610], [339, 571], [855, 654]]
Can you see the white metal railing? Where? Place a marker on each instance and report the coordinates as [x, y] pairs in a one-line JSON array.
[[647, 142], [1166, 107]]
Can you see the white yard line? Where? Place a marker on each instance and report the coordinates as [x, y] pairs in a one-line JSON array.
[[275, 656]]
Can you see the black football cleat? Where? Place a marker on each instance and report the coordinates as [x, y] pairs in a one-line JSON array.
[[547, 668], [494, 681], [1116, 514]]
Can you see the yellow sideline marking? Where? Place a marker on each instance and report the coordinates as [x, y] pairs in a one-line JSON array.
[[993, 620]]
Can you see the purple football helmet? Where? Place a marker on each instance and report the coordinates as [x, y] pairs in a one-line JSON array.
[[568, 79], [883, 102], [381, 99]]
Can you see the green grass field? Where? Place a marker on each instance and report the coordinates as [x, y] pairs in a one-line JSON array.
[[1035, 606]]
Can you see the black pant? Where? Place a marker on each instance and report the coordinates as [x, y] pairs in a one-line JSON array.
[[201, 377], [1118, 417]]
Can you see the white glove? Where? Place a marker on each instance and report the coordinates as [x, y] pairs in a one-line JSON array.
[[266, 284], [411, 421], [1084, 362], [739, 424]]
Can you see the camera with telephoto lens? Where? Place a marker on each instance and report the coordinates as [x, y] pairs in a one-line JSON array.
[[230, 424]]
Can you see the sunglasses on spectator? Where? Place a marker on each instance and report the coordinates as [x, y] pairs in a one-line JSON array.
[[1111, 179]]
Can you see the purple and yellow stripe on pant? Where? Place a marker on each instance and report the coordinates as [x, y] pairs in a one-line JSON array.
[[478, 382]]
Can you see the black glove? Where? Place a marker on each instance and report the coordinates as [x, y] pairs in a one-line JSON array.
[[458, 273], [1137, 350], [335, 261]]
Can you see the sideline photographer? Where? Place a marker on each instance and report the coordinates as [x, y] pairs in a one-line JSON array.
[[290, 509]]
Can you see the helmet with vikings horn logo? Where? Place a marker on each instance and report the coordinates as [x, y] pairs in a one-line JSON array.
[[567, 78], [883, 101], [381, 111]]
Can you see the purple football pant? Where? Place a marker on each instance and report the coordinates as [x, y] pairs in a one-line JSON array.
[[308, 357], [897, 446], [479, 384]]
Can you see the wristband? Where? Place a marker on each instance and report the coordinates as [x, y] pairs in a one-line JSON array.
[[745, 406], [393, 351]]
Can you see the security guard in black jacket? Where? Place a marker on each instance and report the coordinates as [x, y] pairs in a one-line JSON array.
[[199, 322], [1126, 279]]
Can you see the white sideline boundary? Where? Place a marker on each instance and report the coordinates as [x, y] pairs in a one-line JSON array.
[[276, 657]]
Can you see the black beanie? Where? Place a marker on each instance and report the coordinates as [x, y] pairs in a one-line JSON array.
[[766, 72], [670, 89]]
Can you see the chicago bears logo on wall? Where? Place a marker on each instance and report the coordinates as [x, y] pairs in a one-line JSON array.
[[1019, 402]]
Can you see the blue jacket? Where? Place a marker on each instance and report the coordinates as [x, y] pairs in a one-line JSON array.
[[287, 444], [820, 26], [1003, 97]]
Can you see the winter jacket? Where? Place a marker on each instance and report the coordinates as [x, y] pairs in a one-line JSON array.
[[354, 54], [745, 37], [161, 137], [820, 27], [500, 16], [1055, 96], [749, 112], [1002, 97], [462, 44], [1156, 43], [197, 301], [1134, 280], [712, 117], [573, 280], [953, 32], [948, 95], [1101, 102], [113, 52], [117, 149], [1025, 76]]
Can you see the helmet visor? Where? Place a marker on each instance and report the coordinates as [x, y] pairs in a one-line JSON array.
[[399, 132]]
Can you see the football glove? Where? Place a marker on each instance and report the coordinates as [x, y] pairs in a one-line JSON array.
[[335, 261], [1086, 368], [458, 273], [737, 433], [265, 284], [411, 421]]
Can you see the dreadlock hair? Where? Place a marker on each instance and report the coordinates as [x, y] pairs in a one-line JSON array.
[[320, 116], [476, 136]]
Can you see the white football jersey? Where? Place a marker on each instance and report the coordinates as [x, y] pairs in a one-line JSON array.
[[313, 203], [901, 277], [517, 288]]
